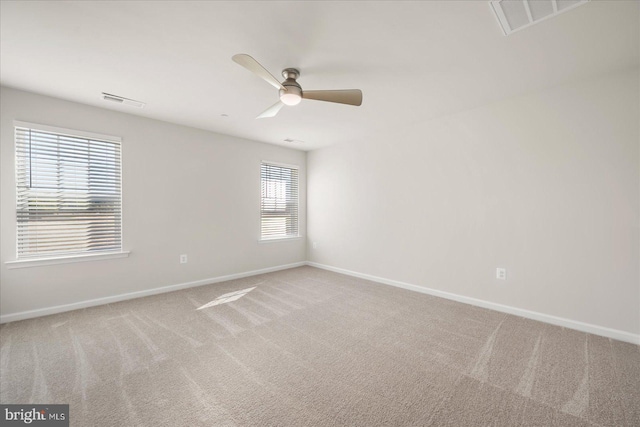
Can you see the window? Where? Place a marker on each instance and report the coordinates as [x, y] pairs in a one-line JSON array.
[[69, 198], [279, 206]]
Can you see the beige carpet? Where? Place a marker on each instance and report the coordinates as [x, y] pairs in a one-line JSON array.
[[311, 347]]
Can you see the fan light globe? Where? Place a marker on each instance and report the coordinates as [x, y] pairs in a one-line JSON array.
[[290, 98]]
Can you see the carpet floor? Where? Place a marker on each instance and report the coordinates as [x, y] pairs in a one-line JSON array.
[[308, 347]]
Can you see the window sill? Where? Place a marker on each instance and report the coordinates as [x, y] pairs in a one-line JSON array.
[[279, 239], [37, 262]]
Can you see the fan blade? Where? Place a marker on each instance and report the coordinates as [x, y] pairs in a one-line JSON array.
[[347, 96], [271, 111], [254, 66]]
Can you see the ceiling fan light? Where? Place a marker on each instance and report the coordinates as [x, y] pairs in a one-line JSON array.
[[290, 98]]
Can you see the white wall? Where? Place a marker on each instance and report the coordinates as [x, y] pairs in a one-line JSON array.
[[546, 185], [185, 191]]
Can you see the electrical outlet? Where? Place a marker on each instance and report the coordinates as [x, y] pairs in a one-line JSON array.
[[315, 245], [183, 259], [501, 273]]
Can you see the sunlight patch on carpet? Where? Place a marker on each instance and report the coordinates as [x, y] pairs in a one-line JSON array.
[[223, 299]]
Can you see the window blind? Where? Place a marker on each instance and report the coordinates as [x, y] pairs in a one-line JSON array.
[[279, 206], [69, 198]]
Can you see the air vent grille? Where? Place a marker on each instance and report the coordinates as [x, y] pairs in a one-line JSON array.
[[514, 15], [122, 100]]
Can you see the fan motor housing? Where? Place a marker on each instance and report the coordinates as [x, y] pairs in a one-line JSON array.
[[292, 94]]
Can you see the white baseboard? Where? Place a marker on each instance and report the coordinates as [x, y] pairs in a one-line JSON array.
[[122, 297], [554, 320]]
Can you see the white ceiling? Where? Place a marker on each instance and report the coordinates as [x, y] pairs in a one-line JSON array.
[[414, 61]]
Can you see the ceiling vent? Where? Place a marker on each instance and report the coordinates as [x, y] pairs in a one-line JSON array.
[[121, 100], [514, 15]]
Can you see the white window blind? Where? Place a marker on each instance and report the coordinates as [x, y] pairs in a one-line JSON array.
[[69, 198], [279, 207]]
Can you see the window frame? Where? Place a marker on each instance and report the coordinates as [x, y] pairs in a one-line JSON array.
[[298, 236], [62, 258]]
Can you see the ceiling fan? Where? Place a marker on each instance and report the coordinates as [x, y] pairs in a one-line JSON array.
[[291, 92]]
